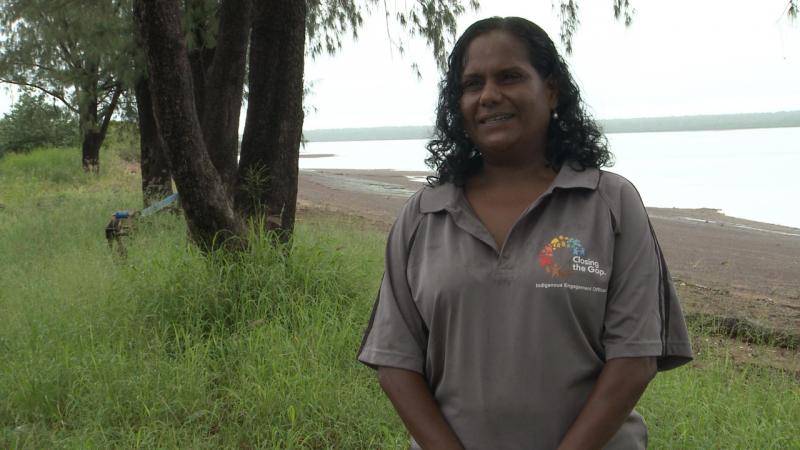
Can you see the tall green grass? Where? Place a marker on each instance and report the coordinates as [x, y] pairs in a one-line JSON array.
[[168, 348]]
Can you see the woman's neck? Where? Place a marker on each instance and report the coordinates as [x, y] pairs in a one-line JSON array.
[[510, 176]]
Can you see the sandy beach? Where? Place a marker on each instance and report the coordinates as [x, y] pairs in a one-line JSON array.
[[741, 271]]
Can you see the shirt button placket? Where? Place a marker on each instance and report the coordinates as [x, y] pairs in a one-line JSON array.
[[503, 270]]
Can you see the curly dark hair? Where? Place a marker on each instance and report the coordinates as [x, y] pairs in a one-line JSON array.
[[573, 137]]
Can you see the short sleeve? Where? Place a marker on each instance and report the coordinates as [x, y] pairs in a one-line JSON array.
[[643, 315], [396, 335]]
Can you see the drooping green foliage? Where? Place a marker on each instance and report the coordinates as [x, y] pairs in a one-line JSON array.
[[80, 53], [622, 8], [329, 21], [37, 121], [568, 15], [57, 46]]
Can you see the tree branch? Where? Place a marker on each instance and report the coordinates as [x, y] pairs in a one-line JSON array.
[[109, 110], [109, 84], [43, 89], [101, 98], [21, 63], [66, 55]]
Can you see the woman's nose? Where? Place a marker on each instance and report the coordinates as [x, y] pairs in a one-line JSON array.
[[490, 94]]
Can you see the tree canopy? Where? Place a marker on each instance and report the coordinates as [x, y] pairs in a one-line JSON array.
[[80, 53]]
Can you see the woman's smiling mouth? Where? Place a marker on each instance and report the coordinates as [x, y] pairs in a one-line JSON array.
[[495, 118]]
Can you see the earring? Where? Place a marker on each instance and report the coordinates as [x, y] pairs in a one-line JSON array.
[[554, 115]]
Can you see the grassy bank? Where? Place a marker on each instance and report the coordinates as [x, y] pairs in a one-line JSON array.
[[169, 349]]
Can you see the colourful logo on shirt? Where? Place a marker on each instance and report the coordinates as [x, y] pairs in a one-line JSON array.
[[578, 261]]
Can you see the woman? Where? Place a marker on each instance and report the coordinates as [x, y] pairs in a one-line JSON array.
[[525, 303]]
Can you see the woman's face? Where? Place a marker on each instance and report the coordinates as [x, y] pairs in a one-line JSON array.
[[505, 103]]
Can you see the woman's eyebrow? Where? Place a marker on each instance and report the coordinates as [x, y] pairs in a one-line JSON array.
[[510, 68]]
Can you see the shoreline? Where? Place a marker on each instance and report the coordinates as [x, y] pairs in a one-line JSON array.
[[404, 183], [723, 266]]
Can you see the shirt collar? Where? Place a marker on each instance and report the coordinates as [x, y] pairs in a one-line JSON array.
[[447, 196]]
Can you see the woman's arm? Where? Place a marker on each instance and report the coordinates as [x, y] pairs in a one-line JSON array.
[[415, 404], [622, 381]]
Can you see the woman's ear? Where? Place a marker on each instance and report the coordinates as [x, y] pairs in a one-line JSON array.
[[552, 94]]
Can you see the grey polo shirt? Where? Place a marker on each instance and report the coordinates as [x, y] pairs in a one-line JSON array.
[[511, 340]]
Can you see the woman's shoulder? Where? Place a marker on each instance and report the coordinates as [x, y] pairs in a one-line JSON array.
[[622, 198], [411, 212], [613, 182], [432, 198], [617, 189], [427, 200]]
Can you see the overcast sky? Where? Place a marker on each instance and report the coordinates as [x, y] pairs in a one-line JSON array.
[[679, 57]]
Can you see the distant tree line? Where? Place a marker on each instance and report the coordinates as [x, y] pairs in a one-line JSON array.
[[781, 119]]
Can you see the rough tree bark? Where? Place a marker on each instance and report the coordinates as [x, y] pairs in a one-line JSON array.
[[205, 203], [223, 90], [92, 132], [156, 176], [200, 61], [90, 135], [267, 183]]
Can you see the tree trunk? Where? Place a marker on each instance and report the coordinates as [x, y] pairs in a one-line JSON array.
[[223, 90], [206, 205], [200, 60], [90, 134], [156, 178], [267, 182], [93, 133], [90, 150]]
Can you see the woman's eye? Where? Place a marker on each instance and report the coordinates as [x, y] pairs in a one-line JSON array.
[[510, 76], [471, 85]]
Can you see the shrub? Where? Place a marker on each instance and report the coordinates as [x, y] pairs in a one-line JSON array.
[[33, 122]]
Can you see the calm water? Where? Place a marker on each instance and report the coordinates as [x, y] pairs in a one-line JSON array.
[[752, 174]]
